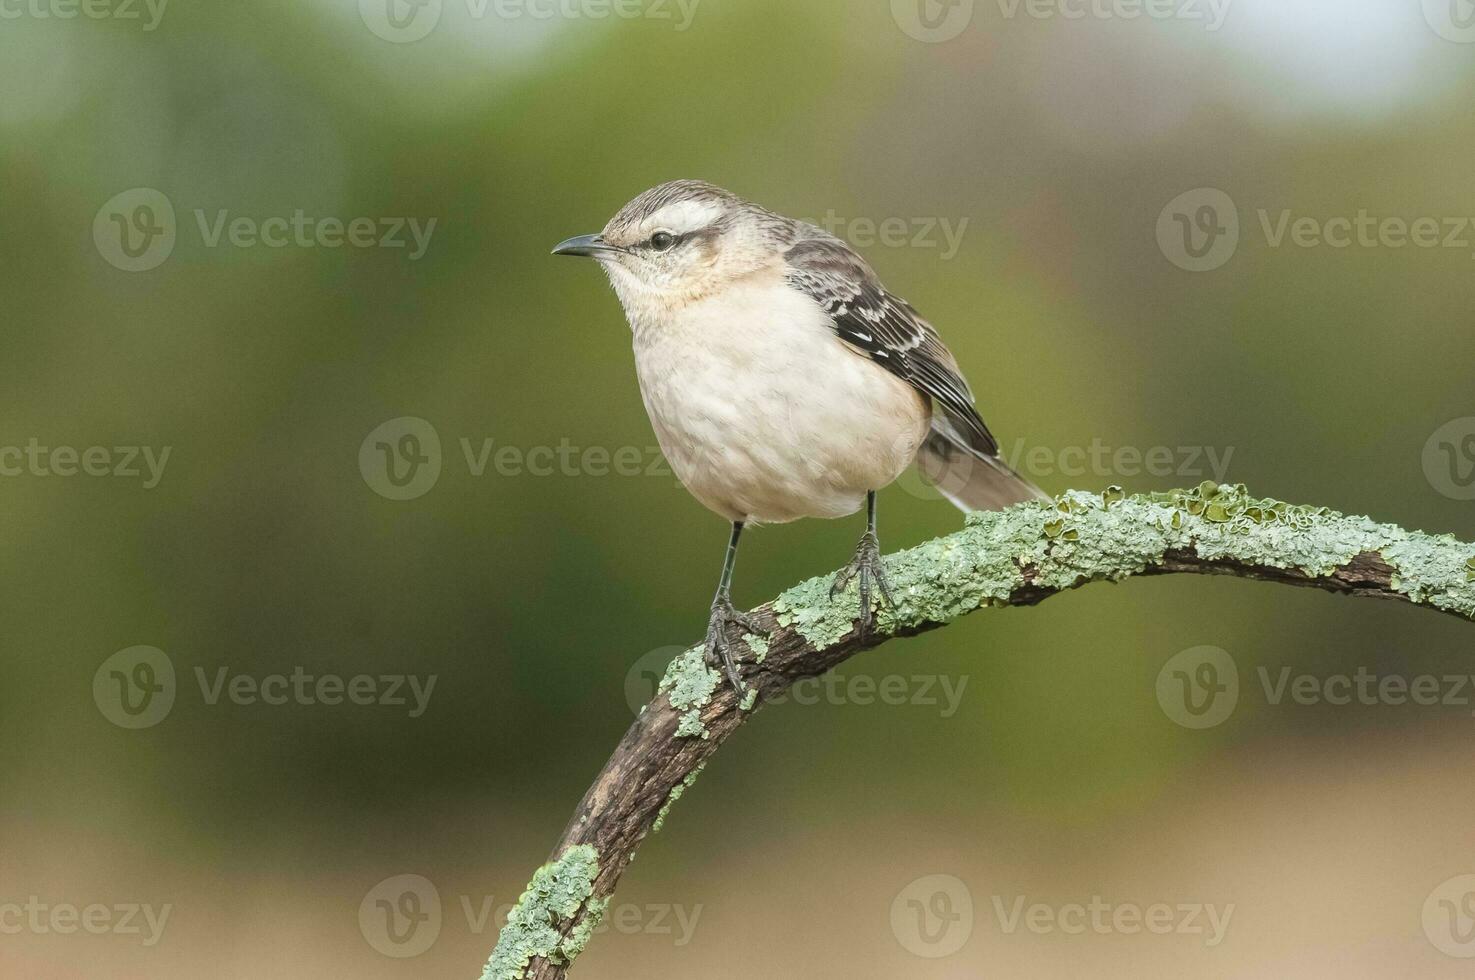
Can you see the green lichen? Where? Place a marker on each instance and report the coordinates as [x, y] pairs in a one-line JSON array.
[[583, 931], [688, 684], [1078, 537], [675, 794], [534, 927], [759, 646], [934, 582], [1081, 537], [749, 699]]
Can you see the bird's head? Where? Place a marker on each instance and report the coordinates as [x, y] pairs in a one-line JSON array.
[[678, 243]]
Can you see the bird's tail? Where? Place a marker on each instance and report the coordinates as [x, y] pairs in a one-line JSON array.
[[973, 477]]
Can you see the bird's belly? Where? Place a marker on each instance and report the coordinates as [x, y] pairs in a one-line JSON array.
[[771, 433]]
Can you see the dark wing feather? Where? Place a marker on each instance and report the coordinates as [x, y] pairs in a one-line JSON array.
[[886, 329]]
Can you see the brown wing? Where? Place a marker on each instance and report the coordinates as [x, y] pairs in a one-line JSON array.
[[886, 329]]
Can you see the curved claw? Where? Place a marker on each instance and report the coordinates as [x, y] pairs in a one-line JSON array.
[[866, 568], [719, 647]]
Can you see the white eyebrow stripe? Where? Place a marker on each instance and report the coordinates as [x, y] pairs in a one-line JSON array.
[[684, 217]]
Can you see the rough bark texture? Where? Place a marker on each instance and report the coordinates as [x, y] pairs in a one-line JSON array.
[[1018, 557]]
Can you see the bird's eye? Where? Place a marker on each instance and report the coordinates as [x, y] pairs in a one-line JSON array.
[[662, 241]]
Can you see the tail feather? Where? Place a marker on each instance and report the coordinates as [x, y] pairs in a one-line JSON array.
[[972, 478]]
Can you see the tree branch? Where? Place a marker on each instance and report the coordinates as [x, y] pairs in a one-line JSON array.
[[1018, 557]]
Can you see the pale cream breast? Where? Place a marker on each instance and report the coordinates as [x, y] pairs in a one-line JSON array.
[[764, 414]]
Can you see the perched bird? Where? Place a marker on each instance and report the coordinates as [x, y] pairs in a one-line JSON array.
[[783, 380]]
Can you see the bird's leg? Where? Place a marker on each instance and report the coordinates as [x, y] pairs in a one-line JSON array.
[[866, 567], [719, 645]]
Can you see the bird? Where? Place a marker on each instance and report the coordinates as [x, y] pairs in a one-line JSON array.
[[785, 381]]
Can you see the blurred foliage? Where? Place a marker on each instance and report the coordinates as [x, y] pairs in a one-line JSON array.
[[262, 549]]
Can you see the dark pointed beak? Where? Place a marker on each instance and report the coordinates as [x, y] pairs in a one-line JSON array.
[[590, 245]]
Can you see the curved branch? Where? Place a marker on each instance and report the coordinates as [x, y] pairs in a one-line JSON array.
[[1017, 557]]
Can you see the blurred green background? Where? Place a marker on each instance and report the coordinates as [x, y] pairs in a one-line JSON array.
[[1053, 145]]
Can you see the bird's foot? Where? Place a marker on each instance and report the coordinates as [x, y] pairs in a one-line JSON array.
[[719, 647], [866, 568]]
